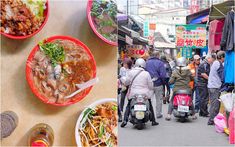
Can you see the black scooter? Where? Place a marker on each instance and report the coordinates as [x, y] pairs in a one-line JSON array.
[[140, 111]]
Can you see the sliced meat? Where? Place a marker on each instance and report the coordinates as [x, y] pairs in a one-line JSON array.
[[60, 99], [39, 56], [52, 83], [44, 63], [46, 89], [64, 88], [42, 74], [104, 113]]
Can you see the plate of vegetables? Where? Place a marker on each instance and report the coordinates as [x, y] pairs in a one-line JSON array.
[[21, 19], [97, 124], [102, 19], [56, 66]]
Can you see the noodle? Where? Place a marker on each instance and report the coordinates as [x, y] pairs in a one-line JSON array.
[[99, 127]]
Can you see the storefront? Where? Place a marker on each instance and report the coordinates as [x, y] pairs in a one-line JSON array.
[[128, 41], [221, 37]]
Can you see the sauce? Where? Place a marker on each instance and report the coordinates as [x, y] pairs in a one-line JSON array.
[[41, 135]]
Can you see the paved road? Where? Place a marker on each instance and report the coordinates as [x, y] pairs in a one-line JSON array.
[[172, 133]]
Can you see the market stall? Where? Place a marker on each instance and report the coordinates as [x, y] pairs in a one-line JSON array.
[[221, 37]]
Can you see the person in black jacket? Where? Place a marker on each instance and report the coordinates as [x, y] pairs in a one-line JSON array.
[[166, 86], [203, 74]]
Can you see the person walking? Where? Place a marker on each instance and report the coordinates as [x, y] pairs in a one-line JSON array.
[[166, 86], [215, 82], [139, 82], [193, 84], [157, 72], [203, 73], [127, 65]]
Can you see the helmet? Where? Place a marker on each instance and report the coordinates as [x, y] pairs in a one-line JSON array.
[[196, 57], [181, 62], [163, 57], [220, 54], [140, 63]]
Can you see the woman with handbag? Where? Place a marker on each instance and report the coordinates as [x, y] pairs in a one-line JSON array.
[[139, 82]]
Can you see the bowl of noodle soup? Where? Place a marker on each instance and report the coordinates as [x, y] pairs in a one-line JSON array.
[[54, 67]]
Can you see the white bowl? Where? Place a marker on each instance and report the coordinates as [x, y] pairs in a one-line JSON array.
[[93, 105]]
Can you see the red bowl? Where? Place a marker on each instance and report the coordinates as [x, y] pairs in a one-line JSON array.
[[30, 81], [91, 22], [46, 14]]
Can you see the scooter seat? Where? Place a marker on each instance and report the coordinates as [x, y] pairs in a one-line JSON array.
[[183, 92]]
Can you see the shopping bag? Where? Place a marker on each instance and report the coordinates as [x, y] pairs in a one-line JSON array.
[[231, 127], [220, 123], [228, 100]]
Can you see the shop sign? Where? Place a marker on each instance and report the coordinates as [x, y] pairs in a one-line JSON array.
[[146, 28], [129, 40], [149, 25], [187, 52], [151, 37], [135, 51], [152, 23], [194, 6], [152, 28], [191, 36], [135, 34]]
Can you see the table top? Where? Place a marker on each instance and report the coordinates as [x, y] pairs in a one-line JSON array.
[[66, 17]]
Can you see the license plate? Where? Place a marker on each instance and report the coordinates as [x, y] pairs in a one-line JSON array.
[[183, 108], [140, 108], [139, 115]]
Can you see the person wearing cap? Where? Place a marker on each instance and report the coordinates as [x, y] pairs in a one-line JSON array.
[[215, 81], [203, 74], [193, 84]]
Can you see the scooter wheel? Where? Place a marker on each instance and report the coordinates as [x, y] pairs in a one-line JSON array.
[[182, 119], [140, 126]]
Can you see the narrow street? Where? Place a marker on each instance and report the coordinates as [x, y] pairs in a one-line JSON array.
[[172, 133]]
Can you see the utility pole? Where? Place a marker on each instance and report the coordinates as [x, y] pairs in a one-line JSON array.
[[127, 7]]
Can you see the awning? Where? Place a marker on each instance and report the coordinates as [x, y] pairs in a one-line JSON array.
[[200, 19], [219, 11], [161, 42], [168, 45], [137, 39]]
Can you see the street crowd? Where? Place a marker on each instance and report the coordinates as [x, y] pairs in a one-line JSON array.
[[160, 76]]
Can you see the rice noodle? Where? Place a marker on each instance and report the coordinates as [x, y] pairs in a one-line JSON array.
[[102, 125], [92, 125]]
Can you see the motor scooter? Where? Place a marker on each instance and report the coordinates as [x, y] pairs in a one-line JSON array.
[[182, 104], [140, 111]]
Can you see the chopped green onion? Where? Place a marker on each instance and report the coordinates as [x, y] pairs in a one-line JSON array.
[[101, 130], [114, 108], [55, 52]]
